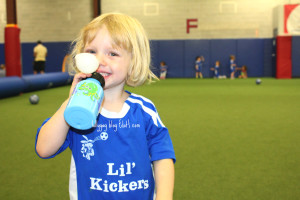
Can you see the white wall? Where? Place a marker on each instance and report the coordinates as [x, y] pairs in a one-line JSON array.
[[61, 20], [49, 20], [166, 19]]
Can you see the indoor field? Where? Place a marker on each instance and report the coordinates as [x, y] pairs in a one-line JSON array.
[[233, 139]]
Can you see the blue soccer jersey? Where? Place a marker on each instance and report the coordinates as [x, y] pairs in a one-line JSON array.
[[232, 65], [199, 64], [217, 71], [113, 161]]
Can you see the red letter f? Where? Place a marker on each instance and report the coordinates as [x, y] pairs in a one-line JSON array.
[[188, 25]]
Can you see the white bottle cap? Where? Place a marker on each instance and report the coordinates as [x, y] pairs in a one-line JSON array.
[[86, 63]]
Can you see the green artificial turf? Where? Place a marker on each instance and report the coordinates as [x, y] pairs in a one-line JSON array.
[[233, 139]]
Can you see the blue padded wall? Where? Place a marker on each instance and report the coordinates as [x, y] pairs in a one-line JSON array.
[[269, 57], [296, 56], [2, 57], [192, 49], [56, 57], [54, 60], [154, 57], [180, 56], [172, 52], [251, 53], [27, 58], [221, 50]]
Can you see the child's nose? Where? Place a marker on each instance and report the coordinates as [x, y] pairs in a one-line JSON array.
[[102, 60]]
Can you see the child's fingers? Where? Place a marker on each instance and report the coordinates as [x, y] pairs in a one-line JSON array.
[[77, 78]]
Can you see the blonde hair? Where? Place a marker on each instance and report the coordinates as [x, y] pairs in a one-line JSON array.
[[127, 33]]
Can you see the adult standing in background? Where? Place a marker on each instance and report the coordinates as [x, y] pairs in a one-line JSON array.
[[39, 54]]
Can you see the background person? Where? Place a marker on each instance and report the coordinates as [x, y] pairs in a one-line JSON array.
[[163, 70], [2, 70], [39, 53], [198, 66], [216, 69], [243, 70], [232, 66]]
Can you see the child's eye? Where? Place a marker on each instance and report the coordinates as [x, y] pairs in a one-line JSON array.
[[113, 54], [90, 51]]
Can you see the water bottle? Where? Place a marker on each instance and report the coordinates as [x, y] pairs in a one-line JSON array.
[[84, 104]]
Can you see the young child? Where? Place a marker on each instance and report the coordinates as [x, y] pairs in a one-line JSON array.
[[243, 70], [130, 147], [2, 70], [163, 70], [232, 66], [216, 69], [198, 66]]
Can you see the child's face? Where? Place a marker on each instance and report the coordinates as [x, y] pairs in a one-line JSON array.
[[114, 62]]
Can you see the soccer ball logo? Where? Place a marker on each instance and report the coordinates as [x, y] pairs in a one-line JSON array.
[[87, 149], [103, 136]]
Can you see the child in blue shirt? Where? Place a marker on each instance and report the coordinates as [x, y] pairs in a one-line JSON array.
[[163, 70], [129, 153], [232, 66], [198, 66], [216, 69]]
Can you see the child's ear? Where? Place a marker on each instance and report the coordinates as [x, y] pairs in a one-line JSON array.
[[129, 72]]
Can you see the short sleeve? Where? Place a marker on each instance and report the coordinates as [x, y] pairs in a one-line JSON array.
[[159, 141], [61, 149]]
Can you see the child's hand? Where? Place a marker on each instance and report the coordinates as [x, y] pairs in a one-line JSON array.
[[77, 78]]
